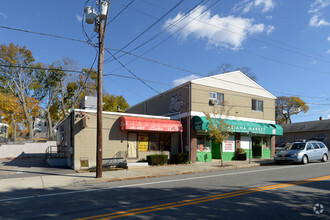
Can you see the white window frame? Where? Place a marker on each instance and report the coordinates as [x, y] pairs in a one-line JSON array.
[[216, 98], [257, 105]]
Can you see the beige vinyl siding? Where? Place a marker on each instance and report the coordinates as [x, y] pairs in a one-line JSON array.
[[240, 104], [160, 104], [114, 140]]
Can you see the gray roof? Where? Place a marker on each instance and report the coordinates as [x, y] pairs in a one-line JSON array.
[[320, 125]]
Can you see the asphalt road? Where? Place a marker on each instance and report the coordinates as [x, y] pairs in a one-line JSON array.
[[268, 192]]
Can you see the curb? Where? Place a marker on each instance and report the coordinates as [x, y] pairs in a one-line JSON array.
[[175, 173]]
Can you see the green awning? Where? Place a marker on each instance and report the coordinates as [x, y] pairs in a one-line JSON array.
[[201, 123]]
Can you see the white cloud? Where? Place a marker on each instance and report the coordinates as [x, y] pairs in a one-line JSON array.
[[315, 21], [318, 5], [245, 6], [79, 18], [327, 52], [184, 79], [316, 8], [328, 38], [267, 5], [270, 29], [3, 14], [227, 31]]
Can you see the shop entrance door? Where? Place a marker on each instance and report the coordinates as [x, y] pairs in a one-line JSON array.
[[256, 147], [132, 145], [215, 149]]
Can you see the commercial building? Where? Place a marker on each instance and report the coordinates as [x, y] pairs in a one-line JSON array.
[[125, 136], [175, 122], [249, 111], [305, 130]]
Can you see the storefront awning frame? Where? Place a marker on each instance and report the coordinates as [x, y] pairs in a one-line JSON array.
[[201, 123], [149, 124]]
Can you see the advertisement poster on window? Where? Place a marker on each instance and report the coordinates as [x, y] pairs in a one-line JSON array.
[[143, 140], [229, 144], [245, 142]]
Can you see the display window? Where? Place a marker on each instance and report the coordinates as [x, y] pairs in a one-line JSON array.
[[203, 143], [265, 142], [158, 142]]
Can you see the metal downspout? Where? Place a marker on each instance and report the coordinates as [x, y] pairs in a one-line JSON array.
[[188, 121], [72, 139]]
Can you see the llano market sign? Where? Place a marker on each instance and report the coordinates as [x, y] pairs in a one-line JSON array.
[[201, 123], [246, 129]]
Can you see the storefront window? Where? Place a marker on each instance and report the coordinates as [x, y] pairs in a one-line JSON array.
[[160, 142], [165, 142], [143, 140], [203, 143], [154, 142], [265, 142]]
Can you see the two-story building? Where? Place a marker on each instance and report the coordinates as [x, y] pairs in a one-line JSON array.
[[175, 122], [250, 113]]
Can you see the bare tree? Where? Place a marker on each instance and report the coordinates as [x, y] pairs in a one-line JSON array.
[[227, 67]]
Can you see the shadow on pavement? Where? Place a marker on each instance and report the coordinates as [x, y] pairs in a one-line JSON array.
[[56, 203]]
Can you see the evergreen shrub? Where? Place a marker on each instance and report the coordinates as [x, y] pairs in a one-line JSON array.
[[157, 159]]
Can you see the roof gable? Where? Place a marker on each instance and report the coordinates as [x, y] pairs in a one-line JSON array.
[[234, 81], [321, 125]]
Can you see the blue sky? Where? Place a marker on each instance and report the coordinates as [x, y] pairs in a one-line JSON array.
[[285, 43]]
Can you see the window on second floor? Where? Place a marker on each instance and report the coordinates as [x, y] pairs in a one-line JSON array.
[[257, 105], [216, 98]]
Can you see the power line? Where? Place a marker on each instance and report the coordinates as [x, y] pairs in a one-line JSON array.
[[77, 40], [39, 33], [205, 75], [244, 50], [121, 11], [152, 25], [264, 42], [298, 51], [260, 35], [41, 68], [133, 73], [116, 16], [172, 85], [163, 31], [282, 62], [138, 11], [137, 78]]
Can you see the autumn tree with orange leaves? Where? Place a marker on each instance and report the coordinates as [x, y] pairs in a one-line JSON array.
[[12, 111], [17, 78]]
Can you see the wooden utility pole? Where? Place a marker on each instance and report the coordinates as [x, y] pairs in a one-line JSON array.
[[99, 101], [100, 22]]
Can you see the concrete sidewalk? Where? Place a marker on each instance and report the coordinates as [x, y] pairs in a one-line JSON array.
[[36, 174]]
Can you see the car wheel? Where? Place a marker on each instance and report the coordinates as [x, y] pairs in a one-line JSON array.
[[324, 158], [278, 162], [304, 160]]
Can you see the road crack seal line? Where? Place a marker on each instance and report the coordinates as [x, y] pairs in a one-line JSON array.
[[202, 199]]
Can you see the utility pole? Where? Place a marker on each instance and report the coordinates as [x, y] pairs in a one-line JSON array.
[[99, 21], [99, 102]]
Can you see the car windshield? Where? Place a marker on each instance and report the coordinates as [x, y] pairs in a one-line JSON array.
[[297, 146]]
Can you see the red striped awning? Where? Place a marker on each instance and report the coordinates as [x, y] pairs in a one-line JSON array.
[[149, 124]]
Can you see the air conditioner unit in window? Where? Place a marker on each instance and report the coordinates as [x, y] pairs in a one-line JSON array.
[[213, 102]]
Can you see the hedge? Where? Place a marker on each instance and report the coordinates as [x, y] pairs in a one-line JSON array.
[[180, 158], [157, 159]]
